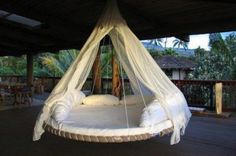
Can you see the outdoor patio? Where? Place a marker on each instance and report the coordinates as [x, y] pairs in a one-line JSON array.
[[204, 136], [28, 29]]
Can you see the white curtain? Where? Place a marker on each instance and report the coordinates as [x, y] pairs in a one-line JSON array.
[[143, 72]]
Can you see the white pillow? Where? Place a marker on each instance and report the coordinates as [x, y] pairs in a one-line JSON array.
[[60, 111], [62, 107], [136, 99], [76, 97], [101, 100], [153, 114]]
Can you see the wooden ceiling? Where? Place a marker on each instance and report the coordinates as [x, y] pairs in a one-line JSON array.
[[68, 23]]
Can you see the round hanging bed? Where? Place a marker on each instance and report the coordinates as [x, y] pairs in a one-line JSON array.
[[107, 124], [64, 115]]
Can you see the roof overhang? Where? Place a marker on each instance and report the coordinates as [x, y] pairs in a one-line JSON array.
[[67, 24]]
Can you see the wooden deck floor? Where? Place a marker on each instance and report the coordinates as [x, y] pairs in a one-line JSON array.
[[204, 136]]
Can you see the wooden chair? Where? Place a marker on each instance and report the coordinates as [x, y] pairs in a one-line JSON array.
[[24, 95], [5, 96]]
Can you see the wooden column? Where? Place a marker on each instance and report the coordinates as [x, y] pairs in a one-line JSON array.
[[96, 73], [30, 76], [116, 83], [218, 94]]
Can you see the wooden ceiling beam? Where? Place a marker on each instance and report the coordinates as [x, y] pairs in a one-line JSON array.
[[20, 42], [155, 23], [58, 28], [9, 51], [16, 43], [25, 35], [210, 26], [219, 1], [144, 16]]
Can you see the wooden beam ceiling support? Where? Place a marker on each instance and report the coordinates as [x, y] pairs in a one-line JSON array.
[[219, 1], [7, 47], [34, 31], [9, 51], [211, 26], [16, 42], [153, 21], [30, 69], [61, 29], [25, 35], [16, 45], [150, 19]]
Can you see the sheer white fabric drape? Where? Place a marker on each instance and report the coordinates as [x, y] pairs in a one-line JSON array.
[[142, 70]]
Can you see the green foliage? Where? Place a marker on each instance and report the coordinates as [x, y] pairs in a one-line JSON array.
[[210, 66], [170, 52], [179, 43], [157, 42], [57, 64], [220, 62], [45, 64], [13, 65], [167, 52]]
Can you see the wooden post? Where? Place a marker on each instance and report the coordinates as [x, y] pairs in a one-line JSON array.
[[116, 83], [30, 76], [96, 74], [218, 94]]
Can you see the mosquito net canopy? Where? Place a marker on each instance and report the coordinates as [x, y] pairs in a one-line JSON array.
[[145, 76]]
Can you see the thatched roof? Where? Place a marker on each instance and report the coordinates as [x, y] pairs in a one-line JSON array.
[[60, 24], [173, 62]]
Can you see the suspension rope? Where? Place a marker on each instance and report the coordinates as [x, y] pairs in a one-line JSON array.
[[144, 102], [123, 87], [124, 98]]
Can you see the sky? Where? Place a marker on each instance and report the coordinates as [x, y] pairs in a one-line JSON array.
[[196, 41]]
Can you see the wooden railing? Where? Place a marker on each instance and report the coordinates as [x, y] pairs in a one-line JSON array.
[[198, 93], [201, 93]]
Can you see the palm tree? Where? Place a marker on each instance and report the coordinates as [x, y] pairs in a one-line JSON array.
[[166, 42], [57, 64], [179, 43], [170, 51], [157, 42]]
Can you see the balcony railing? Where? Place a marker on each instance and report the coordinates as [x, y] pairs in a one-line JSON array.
[[198, 93]]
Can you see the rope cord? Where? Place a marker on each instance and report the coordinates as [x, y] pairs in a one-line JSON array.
[[144, 102], [123, 86]]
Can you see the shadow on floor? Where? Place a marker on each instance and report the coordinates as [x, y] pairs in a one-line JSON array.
[[204, 136]]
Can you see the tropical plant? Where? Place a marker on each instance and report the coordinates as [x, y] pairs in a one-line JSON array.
[[225, 47], [219, 62], [179, 43], [170, 51], [57, 64], [210, 66], [13, 65], [156, 42]]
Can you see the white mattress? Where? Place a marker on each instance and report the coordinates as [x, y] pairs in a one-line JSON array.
[[108, 121]]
